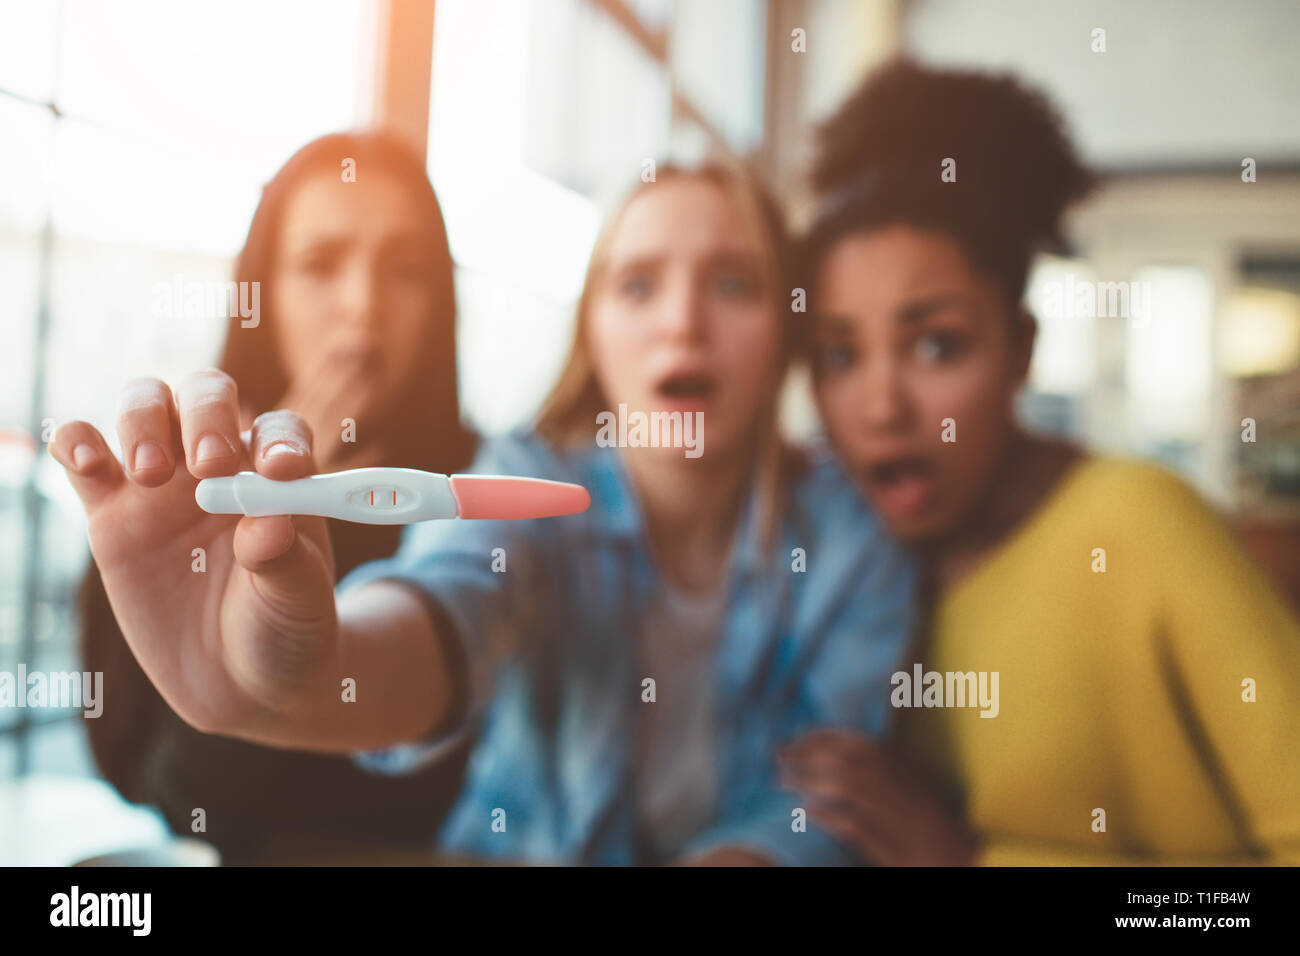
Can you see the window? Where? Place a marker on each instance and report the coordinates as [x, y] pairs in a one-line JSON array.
[[137, 139], [541, 116]]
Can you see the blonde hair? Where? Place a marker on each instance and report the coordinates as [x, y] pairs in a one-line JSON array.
[[568, 415]]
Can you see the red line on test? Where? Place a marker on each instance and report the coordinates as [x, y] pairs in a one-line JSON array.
[[372, 496], [394, 496]]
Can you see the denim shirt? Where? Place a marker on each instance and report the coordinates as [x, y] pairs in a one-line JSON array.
[[549, 623]]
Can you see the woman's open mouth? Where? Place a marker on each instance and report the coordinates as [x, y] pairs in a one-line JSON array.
[[686, 391], [903, 487]]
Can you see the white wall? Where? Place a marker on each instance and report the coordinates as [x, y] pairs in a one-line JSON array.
[[1181, 82]]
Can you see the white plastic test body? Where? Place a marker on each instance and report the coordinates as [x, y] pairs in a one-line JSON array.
[[391, 496]]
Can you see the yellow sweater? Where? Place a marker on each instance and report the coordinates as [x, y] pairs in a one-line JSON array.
[[1120, 690]]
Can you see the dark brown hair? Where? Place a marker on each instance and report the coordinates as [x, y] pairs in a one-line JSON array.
[[880, 157]]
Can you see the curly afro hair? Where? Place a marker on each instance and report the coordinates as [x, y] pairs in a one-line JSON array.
[[880, 156]]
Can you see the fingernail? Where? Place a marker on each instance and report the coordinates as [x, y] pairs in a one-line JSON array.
[[148, 454], [211, 447], [281, 448], [84, 455]]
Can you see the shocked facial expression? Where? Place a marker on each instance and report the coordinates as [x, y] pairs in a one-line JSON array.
[[683, 316], [917, 361]]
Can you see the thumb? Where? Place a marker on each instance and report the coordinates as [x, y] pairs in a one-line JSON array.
[[289, 570]]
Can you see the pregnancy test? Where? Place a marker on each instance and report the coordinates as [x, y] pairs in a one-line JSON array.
[[391, 496]]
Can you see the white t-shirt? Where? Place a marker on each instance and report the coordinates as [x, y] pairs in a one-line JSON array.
[[676, 764]]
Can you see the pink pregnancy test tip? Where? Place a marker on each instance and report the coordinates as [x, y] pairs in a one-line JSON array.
[[500, 497]]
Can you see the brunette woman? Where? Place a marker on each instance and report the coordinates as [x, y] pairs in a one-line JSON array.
[[356, 333]]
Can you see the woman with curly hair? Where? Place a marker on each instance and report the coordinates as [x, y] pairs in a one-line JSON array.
[[1147, 669]]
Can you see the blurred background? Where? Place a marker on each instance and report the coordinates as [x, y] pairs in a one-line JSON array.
[[135, 137]]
